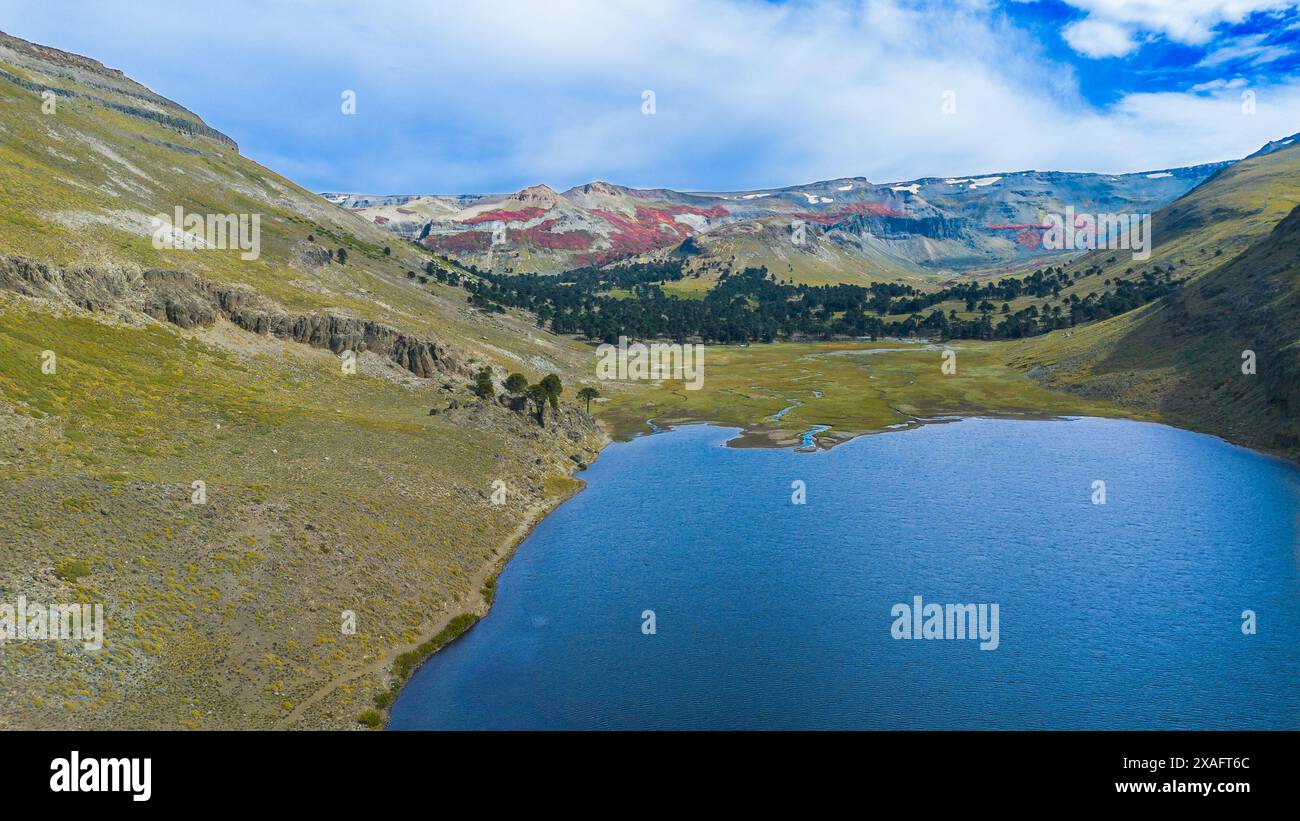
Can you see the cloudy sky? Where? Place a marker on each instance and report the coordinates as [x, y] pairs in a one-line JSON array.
[[493, 95]]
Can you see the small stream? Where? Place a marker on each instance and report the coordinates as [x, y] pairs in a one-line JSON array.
[[808, 436]]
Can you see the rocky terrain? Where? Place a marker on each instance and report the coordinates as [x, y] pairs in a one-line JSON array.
[[187, 301]]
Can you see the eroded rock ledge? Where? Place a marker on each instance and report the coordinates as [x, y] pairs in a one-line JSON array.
[[187, 301]]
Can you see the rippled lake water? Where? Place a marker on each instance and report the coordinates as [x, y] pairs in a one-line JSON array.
[[769, 614]]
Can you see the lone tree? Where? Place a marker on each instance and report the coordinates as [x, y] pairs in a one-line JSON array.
[[483, 384], [516, 384], [587, 394], [552, 387], [546, 391], [537, 395]]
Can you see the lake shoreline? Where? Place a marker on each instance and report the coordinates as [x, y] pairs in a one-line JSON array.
[[755, 437], [540, 624], [768, 436], [476, 604]]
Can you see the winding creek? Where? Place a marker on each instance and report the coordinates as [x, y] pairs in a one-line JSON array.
[[808, 437]]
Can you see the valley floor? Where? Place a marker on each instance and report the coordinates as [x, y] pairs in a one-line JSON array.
[[852, 387]]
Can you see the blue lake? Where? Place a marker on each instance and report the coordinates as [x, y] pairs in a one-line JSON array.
[[768, 614]]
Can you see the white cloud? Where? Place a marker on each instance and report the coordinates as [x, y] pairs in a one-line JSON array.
[[1099, 38], [491, 96], [1250, 50], [1216, 85], [1112, 28]]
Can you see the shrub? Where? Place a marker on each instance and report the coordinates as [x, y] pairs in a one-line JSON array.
[[483, 384], [406, 663], [70, 569]]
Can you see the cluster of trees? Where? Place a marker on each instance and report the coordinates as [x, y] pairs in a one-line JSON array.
[[340, 256], [624, 276], [433, 271], [752, 305], [1030, 321], [546, 391]]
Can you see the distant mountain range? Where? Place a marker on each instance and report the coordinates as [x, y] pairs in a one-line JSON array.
[[851, 228]]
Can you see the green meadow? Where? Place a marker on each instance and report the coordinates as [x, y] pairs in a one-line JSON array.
[[855, 387]]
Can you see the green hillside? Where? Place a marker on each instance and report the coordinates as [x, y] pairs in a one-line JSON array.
[[326, 490], [1237, 240]]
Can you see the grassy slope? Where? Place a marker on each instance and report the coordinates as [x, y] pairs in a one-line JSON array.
[[325, 492], [1181, 358]]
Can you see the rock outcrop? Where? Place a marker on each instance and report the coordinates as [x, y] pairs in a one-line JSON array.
[[189, 301]]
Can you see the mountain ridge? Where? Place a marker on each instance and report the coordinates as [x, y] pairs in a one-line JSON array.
[[984, 220], [23, 54], [1237, 240]]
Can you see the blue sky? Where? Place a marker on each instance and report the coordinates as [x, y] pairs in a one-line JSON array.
[[1261, 47], [487, 95]]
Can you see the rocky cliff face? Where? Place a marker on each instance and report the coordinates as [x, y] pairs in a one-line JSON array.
[[891, 227], [187, 301]]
